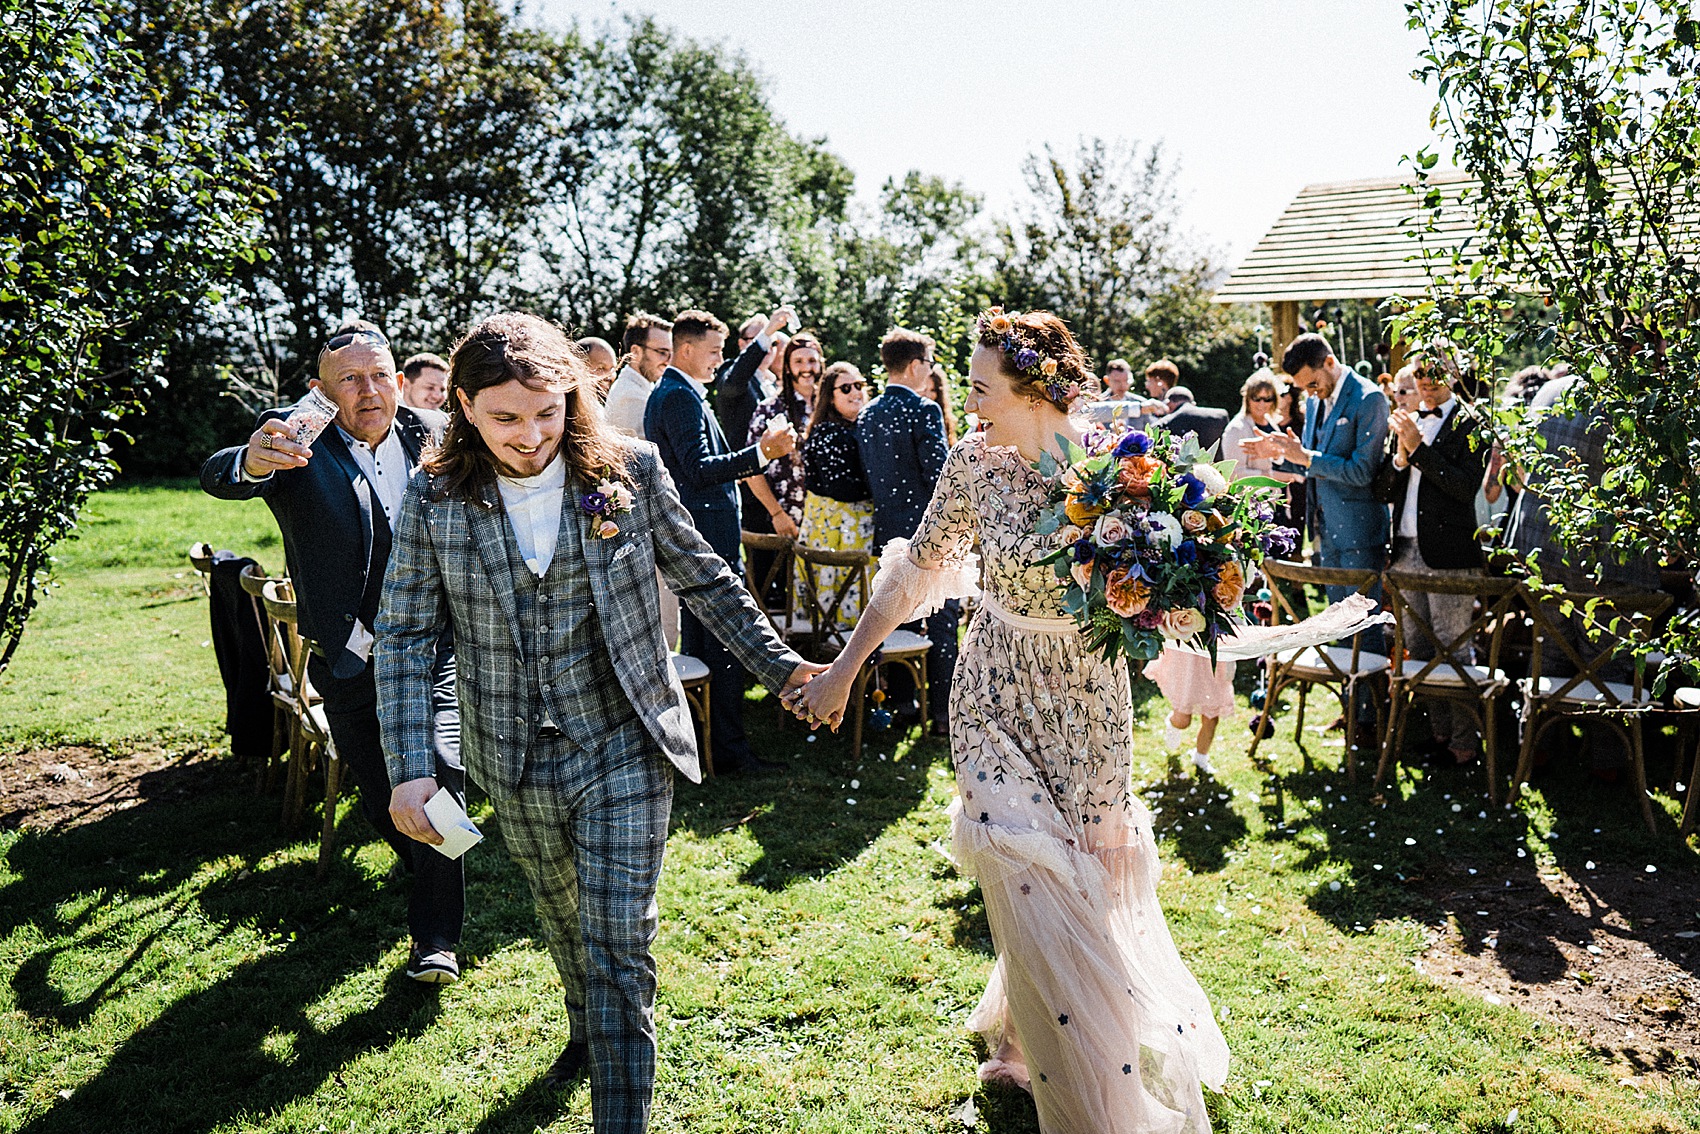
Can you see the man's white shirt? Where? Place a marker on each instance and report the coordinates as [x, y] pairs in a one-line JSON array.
[[1430, 427], [385, 465], [533, 505]]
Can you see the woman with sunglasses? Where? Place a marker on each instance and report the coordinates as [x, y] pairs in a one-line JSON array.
[[838, 508]]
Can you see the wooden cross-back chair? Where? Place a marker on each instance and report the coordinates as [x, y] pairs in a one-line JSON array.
[[280, 683], [1338, 669], [901, 647], [201, 559], [777, 579], [1442, 676], [1624, 621], [310, 738], [694, 675]]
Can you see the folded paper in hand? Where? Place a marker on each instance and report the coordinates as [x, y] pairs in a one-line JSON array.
[[449, 819]]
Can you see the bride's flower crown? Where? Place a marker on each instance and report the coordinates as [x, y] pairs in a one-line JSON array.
[[998, 329]]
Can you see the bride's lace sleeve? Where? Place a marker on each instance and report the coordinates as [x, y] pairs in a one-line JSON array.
[[917, 575]]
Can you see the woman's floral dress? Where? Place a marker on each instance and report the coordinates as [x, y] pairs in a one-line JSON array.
[[1089, 1005]]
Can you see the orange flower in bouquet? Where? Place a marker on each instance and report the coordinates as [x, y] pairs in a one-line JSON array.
[[1125, 593], [1138, 473], [1230, 585]]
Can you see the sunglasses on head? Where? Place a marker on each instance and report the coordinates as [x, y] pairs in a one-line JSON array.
[[351, 337]]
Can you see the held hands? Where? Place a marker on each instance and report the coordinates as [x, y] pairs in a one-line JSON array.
[[822, 700], [779, 439], [407, 810], [270, 449]]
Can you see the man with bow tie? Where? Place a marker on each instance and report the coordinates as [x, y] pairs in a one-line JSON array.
[[1431, 478], [335, 503]]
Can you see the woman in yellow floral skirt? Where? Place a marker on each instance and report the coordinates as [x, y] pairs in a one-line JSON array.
[[838, 510]]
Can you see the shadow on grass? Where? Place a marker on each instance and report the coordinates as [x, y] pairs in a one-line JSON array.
[[802, 818], [248, 1043]]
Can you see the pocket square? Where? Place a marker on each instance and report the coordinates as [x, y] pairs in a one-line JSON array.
[[623, 552]]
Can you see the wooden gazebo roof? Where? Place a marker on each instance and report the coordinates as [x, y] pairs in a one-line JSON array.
[[1350, 240]]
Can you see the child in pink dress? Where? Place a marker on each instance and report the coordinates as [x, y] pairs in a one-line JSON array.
[[1194, 686]]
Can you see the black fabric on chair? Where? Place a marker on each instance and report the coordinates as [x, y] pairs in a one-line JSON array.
[[240, 647]]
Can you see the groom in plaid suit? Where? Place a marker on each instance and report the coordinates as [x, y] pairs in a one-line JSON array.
[[535, 531]]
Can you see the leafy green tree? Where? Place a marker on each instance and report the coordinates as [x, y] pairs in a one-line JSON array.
[[116, 221], [1097, 241], [1580, 122]]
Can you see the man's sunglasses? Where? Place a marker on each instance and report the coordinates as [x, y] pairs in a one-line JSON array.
[[341, 341]]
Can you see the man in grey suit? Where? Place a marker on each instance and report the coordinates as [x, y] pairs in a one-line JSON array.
[[535, 532]]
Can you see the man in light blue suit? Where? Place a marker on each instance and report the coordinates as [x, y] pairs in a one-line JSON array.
[[1345, 438]]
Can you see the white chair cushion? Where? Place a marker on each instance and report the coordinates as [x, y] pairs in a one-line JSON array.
[[1445, 674], [905, 642], [1589, 693], [1308, 661], [689, 669]]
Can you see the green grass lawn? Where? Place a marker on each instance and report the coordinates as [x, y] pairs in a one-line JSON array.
[[175, 966]]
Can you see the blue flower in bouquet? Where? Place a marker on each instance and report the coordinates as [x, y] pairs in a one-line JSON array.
[[1135, 444], [1084, 551], [1186, 552], [1192, 490]]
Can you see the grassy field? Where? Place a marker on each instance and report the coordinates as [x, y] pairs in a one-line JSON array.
[[174, 966]]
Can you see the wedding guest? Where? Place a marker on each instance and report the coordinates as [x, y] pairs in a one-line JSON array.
[[1432, 479], [648, 347], [1118, 408], [1185, 415], [1345, 436], [1290, 418], [838, 507], [1525, 384], [575, 723], [1161, 377], [335, 504], [599, 358], [706, 469], [1573, 432], [1194, 687], [1258, 398], [741, 382], [1402, 390], [424, 382], [780, 488], [939, 391], [904, 438]]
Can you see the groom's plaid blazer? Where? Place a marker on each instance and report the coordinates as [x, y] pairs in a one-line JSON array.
[[449, 566]]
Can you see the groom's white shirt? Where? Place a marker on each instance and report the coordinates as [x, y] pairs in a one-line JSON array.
[[533, 504]]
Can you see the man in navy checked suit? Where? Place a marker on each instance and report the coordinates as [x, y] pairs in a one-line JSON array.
[[707, 470], [902, 441]]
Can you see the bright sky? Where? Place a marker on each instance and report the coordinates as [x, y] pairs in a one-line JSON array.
[[1255, 98]]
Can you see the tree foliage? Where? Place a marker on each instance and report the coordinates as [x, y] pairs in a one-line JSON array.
[[116, 220], [1098, 241], [1580, 122]]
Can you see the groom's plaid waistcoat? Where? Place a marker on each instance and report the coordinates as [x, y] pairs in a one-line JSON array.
[[450, 565]]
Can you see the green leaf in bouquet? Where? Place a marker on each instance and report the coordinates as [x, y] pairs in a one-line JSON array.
[[1072, 451], [1258, 482], [1075, 602], [1226, 468], [1050, 519], [1186, 452], [1047, 464]]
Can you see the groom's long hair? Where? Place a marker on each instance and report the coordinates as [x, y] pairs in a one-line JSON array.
[[516, 347]]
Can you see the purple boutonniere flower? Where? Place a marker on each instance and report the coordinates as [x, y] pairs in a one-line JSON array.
[[595, 503]]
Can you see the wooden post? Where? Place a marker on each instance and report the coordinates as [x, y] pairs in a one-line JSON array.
[[1284, 323]]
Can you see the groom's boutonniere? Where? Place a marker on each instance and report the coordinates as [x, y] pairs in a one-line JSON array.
[[602, 504]]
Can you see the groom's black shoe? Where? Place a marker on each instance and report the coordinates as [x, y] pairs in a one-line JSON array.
[[569, 1065]]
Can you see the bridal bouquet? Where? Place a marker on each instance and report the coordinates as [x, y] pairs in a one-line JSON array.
[[1156, 543]]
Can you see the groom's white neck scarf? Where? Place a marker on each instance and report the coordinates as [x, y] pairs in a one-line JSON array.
[[533, 505]]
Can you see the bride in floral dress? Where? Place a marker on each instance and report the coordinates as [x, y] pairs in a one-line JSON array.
[[1090, 1006]]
